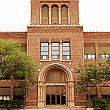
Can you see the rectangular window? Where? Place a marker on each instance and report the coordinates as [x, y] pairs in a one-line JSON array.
[[55, 50], [44, 51], [103, 56], [4, 97], [89, 56], [66, 51]]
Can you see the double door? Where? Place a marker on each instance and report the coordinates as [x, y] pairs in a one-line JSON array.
[[56, 95]]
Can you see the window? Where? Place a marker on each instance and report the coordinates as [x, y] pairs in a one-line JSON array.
[[106, 96], [4, 97], [64, 14], [103, 56], [45, 14], [55, 14], [66, 51], [45, 11], [64, 11], [89, 56], [58, 51], [44, 51], [55, 50], [23, 47]]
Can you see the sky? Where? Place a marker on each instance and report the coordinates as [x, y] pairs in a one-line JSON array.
[[94, 15]]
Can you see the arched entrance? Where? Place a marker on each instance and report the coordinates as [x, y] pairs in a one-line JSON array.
[[55, 86]]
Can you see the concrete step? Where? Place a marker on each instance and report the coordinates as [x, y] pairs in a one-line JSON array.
[[75, 108]]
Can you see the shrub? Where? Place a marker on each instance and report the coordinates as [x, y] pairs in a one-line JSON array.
[[99, 103]]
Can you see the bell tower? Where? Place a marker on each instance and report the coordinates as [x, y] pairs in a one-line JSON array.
[[54, 12], [55, 42]]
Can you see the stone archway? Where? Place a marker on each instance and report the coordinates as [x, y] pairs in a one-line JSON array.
[[52, 77]]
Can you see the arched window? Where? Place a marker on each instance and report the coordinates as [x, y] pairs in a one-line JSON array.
[[64, 14], [55, 17], [45, 14]]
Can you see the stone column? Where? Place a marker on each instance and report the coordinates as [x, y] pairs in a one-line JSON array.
[[70, 94], [97, 51], [60, 49], [11, 92], [50, 15], [40, 15], [68, 19], [49, 49], [59, 14], [41, 98]]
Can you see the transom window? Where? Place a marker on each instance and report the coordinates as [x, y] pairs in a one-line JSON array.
[[89, 56], [4, 97], [44, 51], [55, 50], [66, 50], [103, 56]]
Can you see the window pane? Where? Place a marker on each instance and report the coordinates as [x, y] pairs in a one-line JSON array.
[[44, 51], [66, 53], [0, 97], [55, 11], [55, 52], [103, 56], [55, 44], [66, 48], [45, 11], [64, 11], [55, 48], [93, 57], [89, 56], [44, 44], [66, 44], [55, 56], [8, 98], [44, 57], [66, 57], [44, 48]]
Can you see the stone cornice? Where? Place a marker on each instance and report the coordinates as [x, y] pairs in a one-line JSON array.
[[54, 28], [96, 34], [13, 34]]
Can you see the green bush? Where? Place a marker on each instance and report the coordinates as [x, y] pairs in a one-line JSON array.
[[99, 103], [11, 104]]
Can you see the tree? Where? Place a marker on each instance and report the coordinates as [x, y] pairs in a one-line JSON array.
[[15, 64], [93, 76]]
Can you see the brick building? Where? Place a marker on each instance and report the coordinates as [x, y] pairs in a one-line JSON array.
[[56, 42]]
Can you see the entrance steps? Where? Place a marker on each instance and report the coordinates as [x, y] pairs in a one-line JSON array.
[[58, 108]]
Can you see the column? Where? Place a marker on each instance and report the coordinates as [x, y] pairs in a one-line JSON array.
[[71, 102], [69, 15], [41, 98], [40, 15], [50, 15], [49, 49], [11, 92], [60, 50], [59, 14], [96, 52]]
